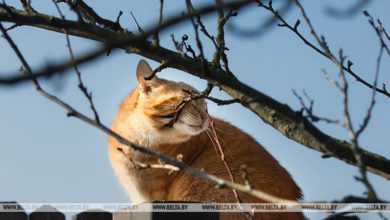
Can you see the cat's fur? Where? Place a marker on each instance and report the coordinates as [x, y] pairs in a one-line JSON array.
[[145, 118]]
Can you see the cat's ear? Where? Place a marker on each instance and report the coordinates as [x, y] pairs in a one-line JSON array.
[[145, 76]]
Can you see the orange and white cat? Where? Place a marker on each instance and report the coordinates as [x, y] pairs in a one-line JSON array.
[[147, 117]]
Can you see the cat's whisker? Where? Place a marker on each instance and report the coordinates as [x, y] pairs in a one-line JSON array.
[[223, 130], [212, 141], [220, 139], [224, 143], [147, 107], [191, 117]]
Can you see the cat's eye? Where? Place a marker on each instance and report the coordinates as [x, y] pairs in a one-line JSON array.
[[170, 124], [174, 117], [168, 116]]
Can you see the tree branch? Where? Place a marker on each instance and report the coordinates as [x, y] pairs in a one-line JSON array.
[[81, 85], [175, 163], [325, 52], [88, 11], [278, 115]]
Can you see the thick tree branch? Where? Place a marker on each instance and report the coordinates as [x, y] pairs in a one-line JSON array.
[[175, 163], [278, 115], [93, 16]]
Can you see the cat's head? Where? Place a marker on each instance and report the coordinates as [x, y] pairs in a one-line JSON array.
[[157, 107]]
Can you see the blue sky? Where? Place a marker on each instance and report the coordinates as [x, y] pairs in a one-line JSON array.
[[48, 157]]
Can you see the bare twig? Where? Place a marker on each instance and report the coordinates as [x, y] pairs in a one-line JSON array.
[[188, 47], [343, 86], [198, 42], [383, 29], [52, 69], [193, 95], [262, 105], [245, 176], [125, 41], [353, 134], [222, 102], [136, 22], [174, 162], [160, 16], [91, 14], [378, 30], [202, 27], [27, 6], [178, 46], [12, 27], [331, 80], [117, 21], [370, 108], [311, 115], [220, 40], [156, 40], [59, 12], [294, 29], [164, 65], [223, 158], [344, 90], [228, 168], [321, 41], [204, 95], [141, 166], [352, 199], [81, 85]]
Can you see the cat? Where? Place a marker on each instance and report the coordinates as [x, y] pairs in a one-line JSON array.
[[148, 117]]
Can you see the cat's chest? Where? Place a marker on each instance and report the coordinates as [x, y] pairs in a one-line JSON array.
[[144, 184]]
